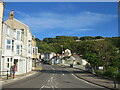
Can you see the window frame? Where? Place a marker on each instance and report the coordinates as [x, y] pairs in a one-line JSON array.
[[8, 45]]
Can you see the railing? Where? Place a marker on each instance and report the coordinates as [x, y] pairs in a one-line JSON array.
[[8, 75]]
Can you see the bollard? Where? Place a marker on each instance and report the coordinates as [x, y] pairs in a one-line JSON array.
[[7, 74], [13, 75], [114, 81]]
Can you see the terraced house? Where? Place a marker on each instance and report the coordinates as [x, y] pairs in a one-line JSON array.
[[17, 45], [36, 55], [8, 38]]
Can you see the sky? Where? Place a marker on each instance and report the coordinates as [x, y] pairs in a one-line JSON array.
[[51, 19]]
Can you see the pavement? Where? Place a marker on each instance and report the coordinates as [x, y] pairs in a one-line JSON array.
[[92, 78], [4, 79]]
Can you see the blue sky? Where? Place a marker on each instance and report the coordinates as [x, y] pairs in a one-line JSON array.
[[50, 19]]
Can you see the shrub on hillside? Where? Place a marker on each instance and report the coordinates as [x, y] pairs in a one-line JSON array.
[[111, 71]]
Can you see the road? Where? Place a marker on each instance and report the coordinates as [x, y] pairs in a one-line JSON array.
[[55, 77]]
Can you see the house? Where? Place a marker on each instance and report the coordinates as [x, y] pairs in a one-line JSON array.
[[22, 44], [35, 52], [8, 39], [1, 17], [41, 56], [67, 52], [48, 56], [75, 60], [38, 55]]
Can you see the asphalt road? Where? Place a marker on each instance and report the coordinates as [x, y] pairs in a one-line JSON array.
[[54, 77]]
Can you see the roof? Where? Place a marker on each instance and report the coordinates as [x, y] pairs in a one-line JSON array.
[[15, 24]]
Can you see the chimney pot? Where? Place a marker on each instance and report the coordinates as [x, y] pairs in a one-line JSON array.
[[11, 14]]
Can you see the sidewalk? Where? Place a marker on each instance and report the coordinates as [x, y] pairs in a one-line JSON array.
[[21, 76], [89, 77]]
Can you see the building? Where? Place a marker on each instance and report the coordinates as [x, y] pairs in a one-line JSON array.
[[67, 52], [22, 44], [8, 39], [35, 52], [1, 17], [42, 56], [48, 56]]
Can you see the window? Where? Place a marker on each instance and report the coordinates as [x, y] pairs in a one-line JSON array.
[[8, 63], [8, 45], [34, 50], [18, 35], [22, 31], [11, 59], [21, 49], [18, 49]]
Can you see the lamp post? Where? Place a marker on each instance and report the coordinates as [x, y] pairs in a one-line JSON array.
[[62, 53], [62, 50], [114, 81]]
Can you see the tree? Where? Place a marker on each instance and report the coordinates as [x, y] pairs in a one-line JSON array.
[[87, 38], [99, 37]]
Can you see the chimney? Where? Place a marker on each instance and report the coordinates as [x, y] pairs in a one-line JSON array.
[[11, 16]]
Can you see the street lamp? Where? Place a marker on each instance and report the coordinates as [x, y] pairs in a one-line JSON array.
[[114, 81], [62, 50]]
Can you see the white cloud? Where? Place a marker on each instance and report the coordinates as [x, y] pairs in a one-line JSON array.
[[80, 22]]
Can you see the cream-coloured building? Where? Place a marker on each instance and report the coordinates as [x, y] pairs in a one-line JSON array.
[[34, 48], [1, 17], [22, 44], [8, 49]]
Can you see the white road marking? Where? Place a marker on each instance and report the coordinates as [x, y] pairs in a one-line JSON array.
[[86, 81], [55, 86], [43, 86], [63, 74], [49, 80], [52, 87], [47, 87]]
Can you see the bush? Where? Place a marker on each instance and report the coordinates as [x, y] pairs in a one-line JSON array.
[[78, 63], [110, 72], [99, 73], [118, 76]]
